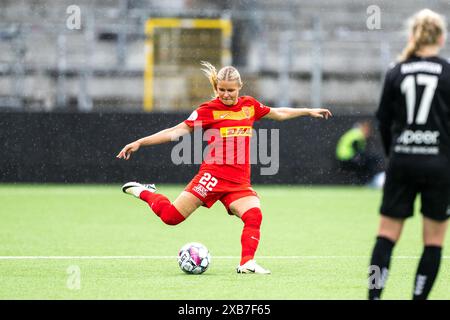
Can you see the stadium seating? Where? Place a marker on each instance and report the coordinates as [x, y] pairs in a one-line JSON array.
[[45, 66]]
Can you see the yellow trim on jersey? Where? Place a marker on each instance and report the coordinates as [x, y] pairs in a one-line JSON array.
[[245, 113], [243, 131]]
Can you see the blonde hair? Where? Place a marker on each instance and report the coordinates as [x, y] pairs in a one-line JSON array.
[[425, 28], [227, 73]]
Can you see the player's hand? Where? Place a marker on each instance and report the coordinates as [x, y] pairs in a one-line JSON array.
[[126, 152], [320, 113]]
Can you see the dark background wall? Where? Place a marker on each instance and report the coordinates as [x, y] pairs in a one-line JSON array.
[[82, 148]]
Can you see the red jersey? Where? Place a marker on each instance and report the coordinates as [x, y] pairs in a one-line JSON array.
[[228, 130]]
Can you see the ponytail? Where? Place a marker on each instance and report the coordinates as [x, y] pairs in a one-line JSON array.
[[211, 73], [425, 29]]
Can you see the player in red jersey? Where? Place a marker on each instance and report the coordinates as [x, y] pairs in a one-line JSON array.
[[225, 172]]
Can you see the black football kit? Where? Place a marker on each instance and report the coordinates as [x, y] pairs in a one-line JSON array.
[[414, 123]]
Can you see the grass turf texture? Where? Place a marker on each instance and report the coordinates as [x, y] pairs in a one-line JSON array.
[[324, 236]]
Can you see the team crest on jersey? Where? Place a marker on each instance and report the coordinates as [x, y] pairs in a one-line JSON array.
[[247, 111]]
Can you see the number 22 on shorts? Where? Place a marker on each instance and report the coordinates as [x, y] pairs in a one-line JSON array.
[[208, 181]]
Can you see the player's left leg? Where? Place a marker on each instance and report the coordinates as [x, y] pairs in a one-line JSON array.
[[388, 234], [248, 208], [397, 205]]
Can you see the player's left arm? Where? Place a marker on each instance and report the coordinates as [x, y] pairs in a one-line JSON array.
[[281, 114]]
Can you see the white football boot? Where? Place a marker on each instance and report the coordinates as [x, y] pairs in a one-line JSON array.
[[135, 188], [252, 267]]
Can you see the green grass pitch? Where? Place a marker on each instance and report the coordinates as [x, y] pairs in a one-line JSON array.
[[315, 240]]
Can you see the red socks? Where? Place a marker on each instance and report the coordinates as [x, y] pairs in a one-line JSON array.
[[251, 234], [162, 207]]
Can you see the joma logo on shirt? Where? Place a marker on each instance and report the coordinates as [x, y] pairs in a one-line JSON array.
[[236, 132]]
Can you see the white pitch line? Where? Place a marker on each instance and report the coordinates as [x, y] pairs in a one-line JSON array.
[[175, 257]]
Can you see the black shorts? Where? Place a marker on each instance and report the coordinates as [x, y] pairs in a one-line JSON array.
[[404, 182]]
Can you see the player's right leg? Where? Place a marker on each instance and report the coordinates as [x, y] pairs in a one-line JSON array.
[[427, 270], [135, 188], [436, 212], [170, 213]]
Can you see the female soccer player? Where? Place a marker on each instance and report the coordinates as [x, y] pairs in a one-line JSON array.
[[414, 122], [225, 173]]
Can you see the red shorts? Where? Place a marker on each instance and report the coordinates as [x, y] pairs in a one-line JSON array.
[[210, 189]]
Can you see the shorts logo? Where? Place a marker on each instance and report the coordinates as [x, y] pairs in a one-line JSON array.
[[236, 132], [201, 190]]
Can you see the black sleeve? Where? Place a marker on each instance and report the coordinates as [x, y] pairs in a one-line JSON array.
[[384, 113]]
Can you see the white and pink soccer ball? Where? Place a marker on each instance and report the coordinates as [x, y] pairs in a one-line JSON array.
[[194, 258]]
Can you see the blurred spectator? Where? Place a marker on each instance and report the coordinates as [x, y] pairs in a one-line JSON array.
[[353, 155]]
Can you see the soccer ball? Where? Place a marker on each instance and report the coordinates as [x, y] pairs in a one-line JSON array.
[[194, 258]]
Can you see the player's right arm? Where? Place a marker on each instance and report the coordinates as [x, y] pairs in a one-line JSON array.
[[163, 136], [384, 113]]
